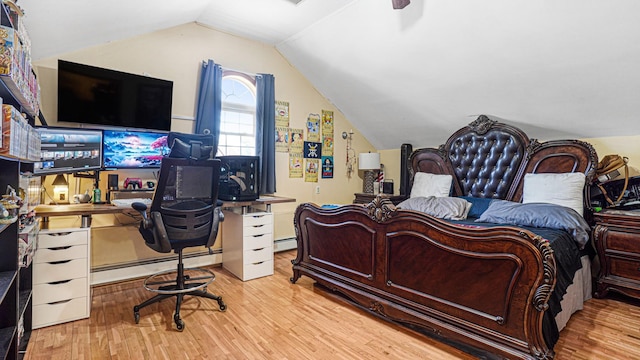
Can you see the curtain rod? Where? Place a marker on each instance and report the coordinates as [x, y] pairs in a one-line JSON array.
[[239, 71], [204, 62]]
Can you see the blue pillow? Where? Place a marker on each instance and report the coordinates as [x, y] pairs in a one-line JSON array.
[[478, 205], [540, 215]]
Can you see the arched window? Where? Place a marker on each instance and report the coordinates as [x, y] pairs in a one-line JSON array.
[[238, 118]]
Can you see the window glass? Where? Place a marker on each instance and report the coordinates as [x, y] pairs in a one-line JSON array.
[[238, 118]]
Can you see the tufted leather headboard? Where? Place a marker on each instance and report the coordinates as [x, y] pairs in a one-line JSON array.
[[489, 159]]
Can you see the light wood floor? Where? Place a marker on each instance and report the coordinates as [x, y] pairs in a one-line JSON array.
[[269, 318]]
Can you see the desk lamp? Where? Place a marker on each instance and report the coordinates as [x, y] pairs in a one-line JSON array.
[[370, 163], [60, 189]]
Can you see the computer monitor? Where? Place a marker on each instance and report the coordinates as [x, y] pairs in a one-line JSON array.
[[68, 150], [129, 149]]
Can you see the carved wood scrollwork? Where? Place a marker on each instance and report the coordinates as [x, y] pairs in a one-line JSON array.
[[381, 209], [482, 124], [543, 292], [533, 146], [377, 308], [598, 230], [544, 355], [593, 158]]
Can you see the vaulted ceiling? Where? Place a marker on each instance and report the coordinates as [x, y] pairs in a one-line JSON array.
[[557, 69]]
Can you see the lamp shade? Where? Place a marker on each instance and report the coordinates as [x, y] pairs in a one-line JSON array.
[[60, 181], [369, 161]]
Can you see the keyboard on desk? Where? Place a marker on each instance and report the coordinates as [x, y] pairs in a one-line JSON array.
[[128, 202]]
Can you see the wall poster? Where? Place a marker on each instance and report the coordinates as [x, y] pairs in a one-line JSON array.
[[296, 141], [313, 127], [327, 167], [311, 170], [282, 139], [295, 165], [282, 114], [327, 133], [312, 150]]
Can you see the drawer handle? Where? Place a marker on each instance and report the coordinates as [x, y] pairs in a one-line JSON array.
[[59, 262], [59, 282], [258, 249], [257, 226], [260, 235], [258, 263], [60, 248], [60, 233], [59, 302]]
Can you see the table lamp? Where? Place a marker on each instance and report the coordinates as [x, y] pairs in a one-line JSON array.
[[60, 189], [370, 163]]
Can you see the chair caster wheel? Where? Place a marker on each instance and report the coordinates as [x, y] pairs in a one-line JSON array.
[[180, 325], [223, 306], [136, 314], [179, 322]]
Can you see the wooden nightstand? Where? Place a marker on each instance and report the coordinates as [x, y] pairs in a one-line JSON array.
[[364, 198], [617, 238]]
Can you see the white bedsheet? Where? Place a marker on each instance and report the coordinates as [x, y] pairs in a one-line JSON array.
[[577, 293]]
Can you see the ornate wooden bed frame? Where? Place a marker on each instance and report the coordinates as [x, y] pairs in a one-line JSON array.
[[481, 289]]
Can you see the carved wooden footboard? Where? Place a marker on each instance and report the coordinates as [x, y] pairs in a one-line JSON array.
[[482, 287], [486, 287]]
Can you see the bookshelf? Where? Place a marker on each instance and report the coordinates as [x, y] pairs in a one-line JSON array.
[[18, 88]]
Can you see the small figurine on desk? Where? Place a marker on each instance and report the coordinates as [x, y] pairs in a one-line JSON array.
[[82, 198]]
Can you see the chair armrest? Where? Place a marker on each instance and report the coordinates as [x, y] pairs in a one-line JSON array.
[[218, 217], [161, 239], [142, 209]]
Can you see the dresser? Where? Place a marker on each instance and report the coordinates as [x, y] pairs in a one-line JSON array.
[[617, 237], [61, 275], [247, 243]]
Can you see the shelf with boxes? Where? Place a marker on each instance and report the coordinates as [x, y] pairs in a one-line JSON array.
[[19, 86], [19, 147], [19, 139], [18, 233]]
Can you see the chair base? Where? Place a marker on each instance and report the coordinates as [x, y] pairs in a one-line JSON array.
[[181, 286]]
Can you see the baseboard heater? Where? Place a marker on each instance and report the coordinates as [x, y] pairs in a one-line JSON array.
[[284, 244], [172, 258], [140, 268]]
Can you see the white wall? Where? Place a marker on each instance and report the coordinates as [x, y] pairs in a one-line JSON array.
[[176, 54]]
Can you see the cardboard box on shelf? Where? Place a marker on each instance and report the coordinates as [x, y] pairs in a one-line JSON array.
[[15, 129]]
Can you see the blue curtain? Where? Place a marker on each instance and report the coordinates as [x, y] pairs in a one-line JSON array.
[[266, 131], [209, 101]]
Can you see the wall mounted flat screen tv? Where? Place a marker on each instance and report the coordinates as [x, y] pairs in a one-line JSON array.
[[93, 95], [68, 150], [128, 149]]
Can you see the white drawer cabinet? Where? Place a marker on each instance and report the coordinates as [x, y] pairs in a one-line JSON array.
[[247, 244], [61, 289]]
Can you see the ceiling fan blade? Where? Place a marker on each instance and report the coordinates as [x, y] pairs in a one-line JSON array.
[[400, 4]]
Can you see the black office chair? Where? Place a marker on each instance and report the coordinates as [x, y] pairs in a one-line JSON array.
[[184, 213]]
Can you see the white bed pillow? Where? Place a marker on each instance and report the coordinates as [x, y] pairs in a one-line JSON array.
[[450, 208], [427, 184], [566, 189]]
